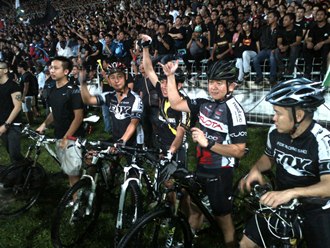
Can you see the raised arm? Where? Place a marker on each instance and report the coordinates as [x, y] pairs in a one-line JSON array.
[[174, 97], [147, 64], [85, 95]]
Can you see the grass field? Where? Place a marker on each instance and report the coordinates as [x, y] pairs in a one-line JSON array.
[[32, 229]]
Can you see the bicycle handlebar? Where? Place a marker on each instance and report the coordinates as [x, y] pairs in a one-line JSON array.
[[259, 190], [37, 136]]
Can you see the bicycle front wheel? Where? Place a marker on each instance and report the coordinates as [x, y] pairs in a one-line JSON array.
[[158, 229], [20, 187], [129, 210], [74, 220]]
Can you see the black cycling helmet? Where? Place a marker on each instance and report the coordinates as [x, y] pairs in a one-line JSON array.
[[221, 70], [116, 67], [300, 92]]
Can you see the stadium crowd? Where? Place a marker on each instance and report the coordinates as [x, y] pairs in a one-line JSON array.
[[190, 30]]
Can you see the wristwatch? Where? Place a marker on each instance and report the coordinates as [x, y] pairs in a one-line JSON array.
[[210, 144], [7, 125]]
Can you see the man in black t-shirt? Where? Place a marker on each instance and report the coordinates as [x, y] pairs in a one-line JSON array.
[[288, 44], [164, 46], [66, 113], [317, 43], [29, 88], [10, 108], [96, 51]]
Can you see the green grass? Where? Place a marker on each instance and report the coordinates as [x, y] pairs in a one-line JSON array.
[[32, 229]]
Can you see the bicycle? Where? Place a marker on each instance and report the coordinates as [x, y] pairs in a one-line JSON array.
[[284, 223], [131, 203], [166, 226], [73, 220], [22, 182], [243, 206]]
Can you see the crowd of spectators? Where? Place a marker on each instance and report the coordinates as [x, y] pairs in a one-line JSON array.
[[88, 31]]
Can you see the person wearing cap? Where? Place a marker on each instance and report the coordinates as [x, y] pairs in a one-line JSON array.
[[196, 50], [299, 148], [221, 139], [169, 129]]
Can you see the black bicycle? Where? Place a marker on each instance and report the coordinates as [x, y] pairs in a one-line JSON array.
[[283, 223], [79, 208], [22, 182], [167, 226]]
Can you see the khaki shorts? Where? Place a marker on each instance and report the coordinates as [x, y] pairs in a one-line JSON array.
[[70, 158]]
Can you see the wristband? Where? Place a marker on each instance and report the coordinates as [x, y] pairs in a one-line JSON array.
[[210, 144]]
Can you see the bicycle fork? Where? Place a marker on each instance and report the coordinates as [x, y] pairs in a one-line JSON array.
[[172, 227], [124, 186], [91, 196]]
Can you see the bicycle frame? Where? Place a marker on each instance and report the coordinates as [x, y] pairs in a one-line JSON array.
[[41, 140], [151, 187]]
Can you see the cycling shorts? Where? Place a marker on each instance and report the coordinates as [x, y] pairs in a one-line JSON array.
[[219, 191]]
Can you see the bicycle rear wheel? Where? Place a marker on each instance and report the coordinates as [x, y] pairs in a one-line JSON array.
[[158, 229], [20, 187], [131, 210], [73, 221]]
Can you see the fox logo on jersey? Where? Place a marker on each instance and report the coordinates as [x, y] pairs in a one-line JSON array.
[[294, 165]]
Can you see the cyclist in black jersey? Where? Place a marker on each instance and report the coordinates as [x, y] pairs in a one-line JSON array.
[[300, 150], [221, 138], [168, 129], [125, 106]]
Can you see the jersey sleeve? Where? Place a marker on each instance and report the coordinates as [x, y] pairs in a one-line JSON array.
[[137, 107], [269, 151], [324, 154], [238, 127]]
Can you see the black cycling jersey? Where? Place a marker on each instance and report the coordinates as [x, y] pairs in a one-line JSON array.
[[169, 119], [224, 122], [121, 114], [301, 161]]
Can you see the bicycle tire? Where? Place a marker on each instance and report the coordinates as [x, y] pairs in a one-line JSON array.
[[243, 208], [20, 187], [71, 224], [153, 229], [132, 210]]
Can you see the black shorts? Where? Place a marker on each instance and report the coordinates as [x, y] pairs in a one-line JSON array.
[[315, 229], [219, 191]]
